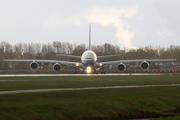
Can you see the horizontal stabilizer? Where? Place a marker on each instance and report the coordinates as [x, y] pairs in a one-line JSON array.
[[109, 56], [74, 56]]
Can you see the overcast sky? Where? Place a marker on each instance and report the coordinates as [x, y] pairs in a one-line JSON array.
[[127, 23]]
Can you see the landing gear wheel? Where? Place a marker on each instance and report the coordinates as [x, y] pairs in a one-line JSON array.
[[102, 70], [75, 72], [94, 72]]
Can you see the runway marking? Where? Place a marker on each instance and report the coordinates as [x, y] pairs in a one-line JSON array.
[[14, 80], [87, 88], [82, 80], [38, 75], [118, 80]]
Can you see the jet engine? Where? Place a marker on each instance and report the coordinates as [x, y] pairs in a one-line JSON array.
[[144, 65], [121, 67], [33, 65], [110, 66], [57, 67]]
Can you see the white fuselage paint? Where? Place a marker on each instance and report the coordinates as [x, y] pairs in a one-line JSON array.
[[89, 58]]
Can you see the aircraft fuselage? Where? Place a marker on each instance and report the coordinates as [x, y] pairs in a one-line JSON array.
[[88, 59]]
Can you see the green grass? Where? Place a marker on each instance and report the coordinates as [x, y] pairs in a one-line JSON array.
[[168, 118], [18, 83], [123, 103]]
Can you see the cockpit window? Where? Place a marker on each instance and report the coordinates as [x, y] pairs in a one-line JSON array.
[[89, 58]]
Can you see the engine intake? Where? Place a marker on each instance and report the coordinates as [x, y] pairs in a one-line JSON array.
[[33, 65], [121, 67], [144, 65], [110, 66], [57, 67]]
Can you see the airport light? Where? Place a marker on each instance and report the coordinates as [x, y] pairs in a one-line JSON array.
[[88, 69], [100, 64], [77, 64]]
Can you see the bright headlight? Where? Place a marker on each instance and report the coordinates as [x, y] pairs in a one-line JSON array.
[[77, 64], [88, 69], [100, 64]]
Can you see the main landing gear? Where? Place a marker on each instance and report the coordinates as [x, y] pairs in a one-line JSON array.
[[76, 72], [102, 71]]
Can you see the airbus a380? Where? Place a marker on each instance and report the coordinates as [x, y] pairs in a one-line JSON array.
[[89, 62]]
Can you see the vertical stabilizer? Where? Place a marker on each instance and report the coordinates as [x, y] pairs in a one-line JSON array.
[[89, 36]]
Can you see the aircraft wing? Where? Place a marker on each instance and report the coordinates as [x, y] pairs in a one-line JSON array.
[[74, 56], [138, 60], [43, 61]]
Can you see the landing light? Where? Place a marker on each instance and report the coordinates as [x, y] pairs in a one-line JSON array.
[[100, 64], [77, 64], [88, 69]]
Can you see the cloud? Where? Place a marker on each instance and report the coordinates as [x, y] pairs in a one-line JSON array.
[[52, 20], [55, 19], [164, 34], [106, 16], [103, 16]]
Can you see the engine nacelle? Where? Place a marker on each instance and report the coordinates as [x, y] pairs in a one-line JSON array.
[[110, 66], [33, 65], [121, 67], [57, 67], [144, 65]]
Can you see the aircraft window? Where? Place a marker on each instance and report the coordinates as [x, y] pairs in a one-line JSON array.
[[89, 58]]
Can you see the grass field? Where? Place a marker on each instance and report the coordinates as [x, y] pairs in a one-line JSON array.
[[122, 103]]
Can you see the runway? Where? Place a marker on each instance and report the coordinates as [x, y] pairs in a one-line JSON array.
[[38, 75], [86, 88]]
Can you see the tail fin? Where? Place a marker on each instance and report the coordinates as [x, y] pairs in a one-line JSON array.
[[89, 36]]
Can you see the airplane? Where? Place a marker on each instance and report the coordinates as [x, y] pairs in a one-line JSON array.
[[89, 62]]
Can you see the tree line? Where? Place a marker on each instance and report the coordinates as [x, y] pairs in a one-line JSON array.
[[54, 49]]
